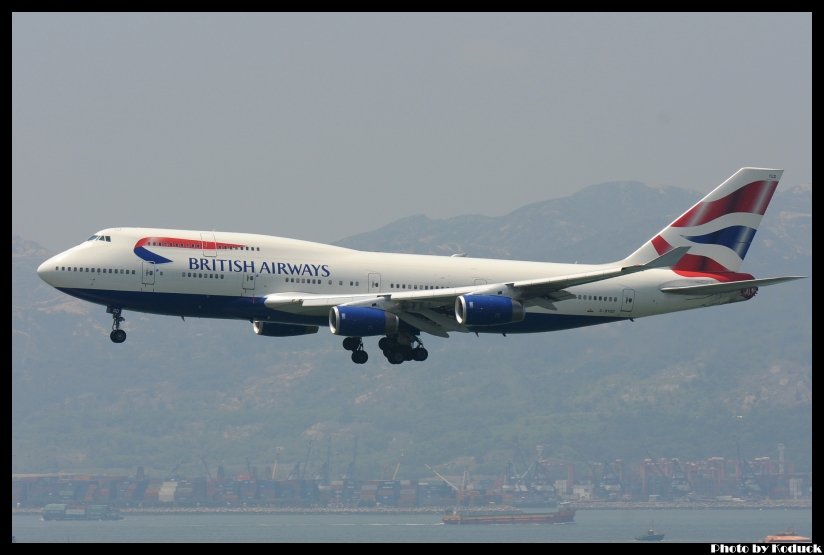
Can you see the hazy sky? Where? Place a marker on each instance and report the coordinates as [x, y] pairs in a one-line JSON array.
[[321, 126]]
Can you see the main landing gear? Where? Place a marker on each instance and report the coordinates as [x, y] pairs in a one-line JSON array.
[[118, 335], [396, 348], [355, 344]]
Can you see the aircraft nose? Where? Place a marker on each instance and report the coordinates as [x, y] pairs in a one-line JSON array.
[[46, 270]]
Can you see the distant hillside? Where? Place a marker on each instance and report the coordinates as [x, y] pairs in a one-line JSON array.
[[668, 386], [559, 230]]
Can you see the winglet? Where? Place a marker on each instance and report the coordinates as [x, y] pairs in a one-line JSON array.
[[666, 260]]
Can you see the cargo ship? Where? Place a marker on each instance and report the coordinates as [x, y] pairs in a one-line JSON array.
[[65, 511], [563, 515]]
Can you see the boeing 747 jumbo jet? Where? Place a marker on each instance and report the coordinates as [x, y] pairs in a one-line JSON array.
[[287, 287]]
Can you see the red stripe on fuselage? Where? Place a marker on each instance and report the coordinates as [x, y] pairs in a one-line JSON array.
[[176, 242]]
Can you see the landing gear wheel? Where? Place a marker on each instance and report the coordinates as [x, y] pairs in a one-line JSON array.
[[395, 356], [117, 335], [352, 343], [359, 357], [419, 354]]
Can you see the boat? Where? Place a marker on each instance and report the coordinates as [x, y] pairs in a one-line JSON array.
[[563, 515], [787, 536], [66, 511], [650, 536]]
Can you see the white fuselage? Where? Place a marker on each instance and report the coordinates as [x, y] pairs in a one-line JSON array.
[[229, 275]]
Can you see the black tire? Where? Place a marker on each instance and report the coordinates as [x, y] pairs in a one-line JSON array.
[[396, 356], [386, 343], [420, 354], [351, 343], [360, 357], [407, 352], [117, 336]]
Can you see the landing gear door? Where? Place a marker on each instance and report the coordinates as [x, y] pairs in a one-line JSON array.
[[627, 300]]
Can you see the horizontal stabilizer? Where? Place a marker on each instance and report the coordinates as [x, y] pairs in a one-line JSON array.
[[666, 260], [726, 287]]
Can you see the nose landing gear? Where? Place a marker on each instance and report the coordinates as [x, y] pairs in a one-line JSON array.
[[118, 335]]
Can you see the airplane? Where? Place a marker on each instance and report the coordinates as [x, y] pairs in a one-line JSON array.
[[289, 287]]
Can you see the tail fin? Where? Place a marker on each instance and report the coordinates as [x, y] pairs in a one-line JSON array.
[[719, 228]]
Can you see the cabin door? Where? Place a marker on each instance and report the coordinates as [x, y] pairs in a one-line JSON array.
[[627, 300]]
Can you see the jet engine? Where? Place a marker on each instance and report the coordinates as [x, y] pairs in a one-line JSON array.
[[487, 310], [356, 321]]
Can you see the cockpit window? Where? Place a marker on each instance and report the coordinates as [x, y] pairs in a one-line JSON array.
[[92, 238]]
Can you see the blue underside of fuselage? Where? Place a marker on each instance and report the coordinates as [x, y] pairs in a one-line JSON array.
[[252, 308]]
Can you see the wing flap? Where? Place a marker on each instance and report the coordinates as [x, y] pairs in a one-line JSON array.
[[422, 323]]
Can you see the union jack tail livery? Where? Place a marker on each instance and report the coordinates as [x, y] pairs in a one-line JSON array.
[[719, 228]]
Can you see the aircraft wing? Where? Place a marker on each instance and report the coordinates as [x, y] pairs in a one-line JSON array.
[[431, 310]]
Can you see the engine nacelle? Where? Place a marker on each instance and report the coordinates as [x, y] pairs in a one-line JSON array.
[[487, 310], [356, 321], [272, 329]]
